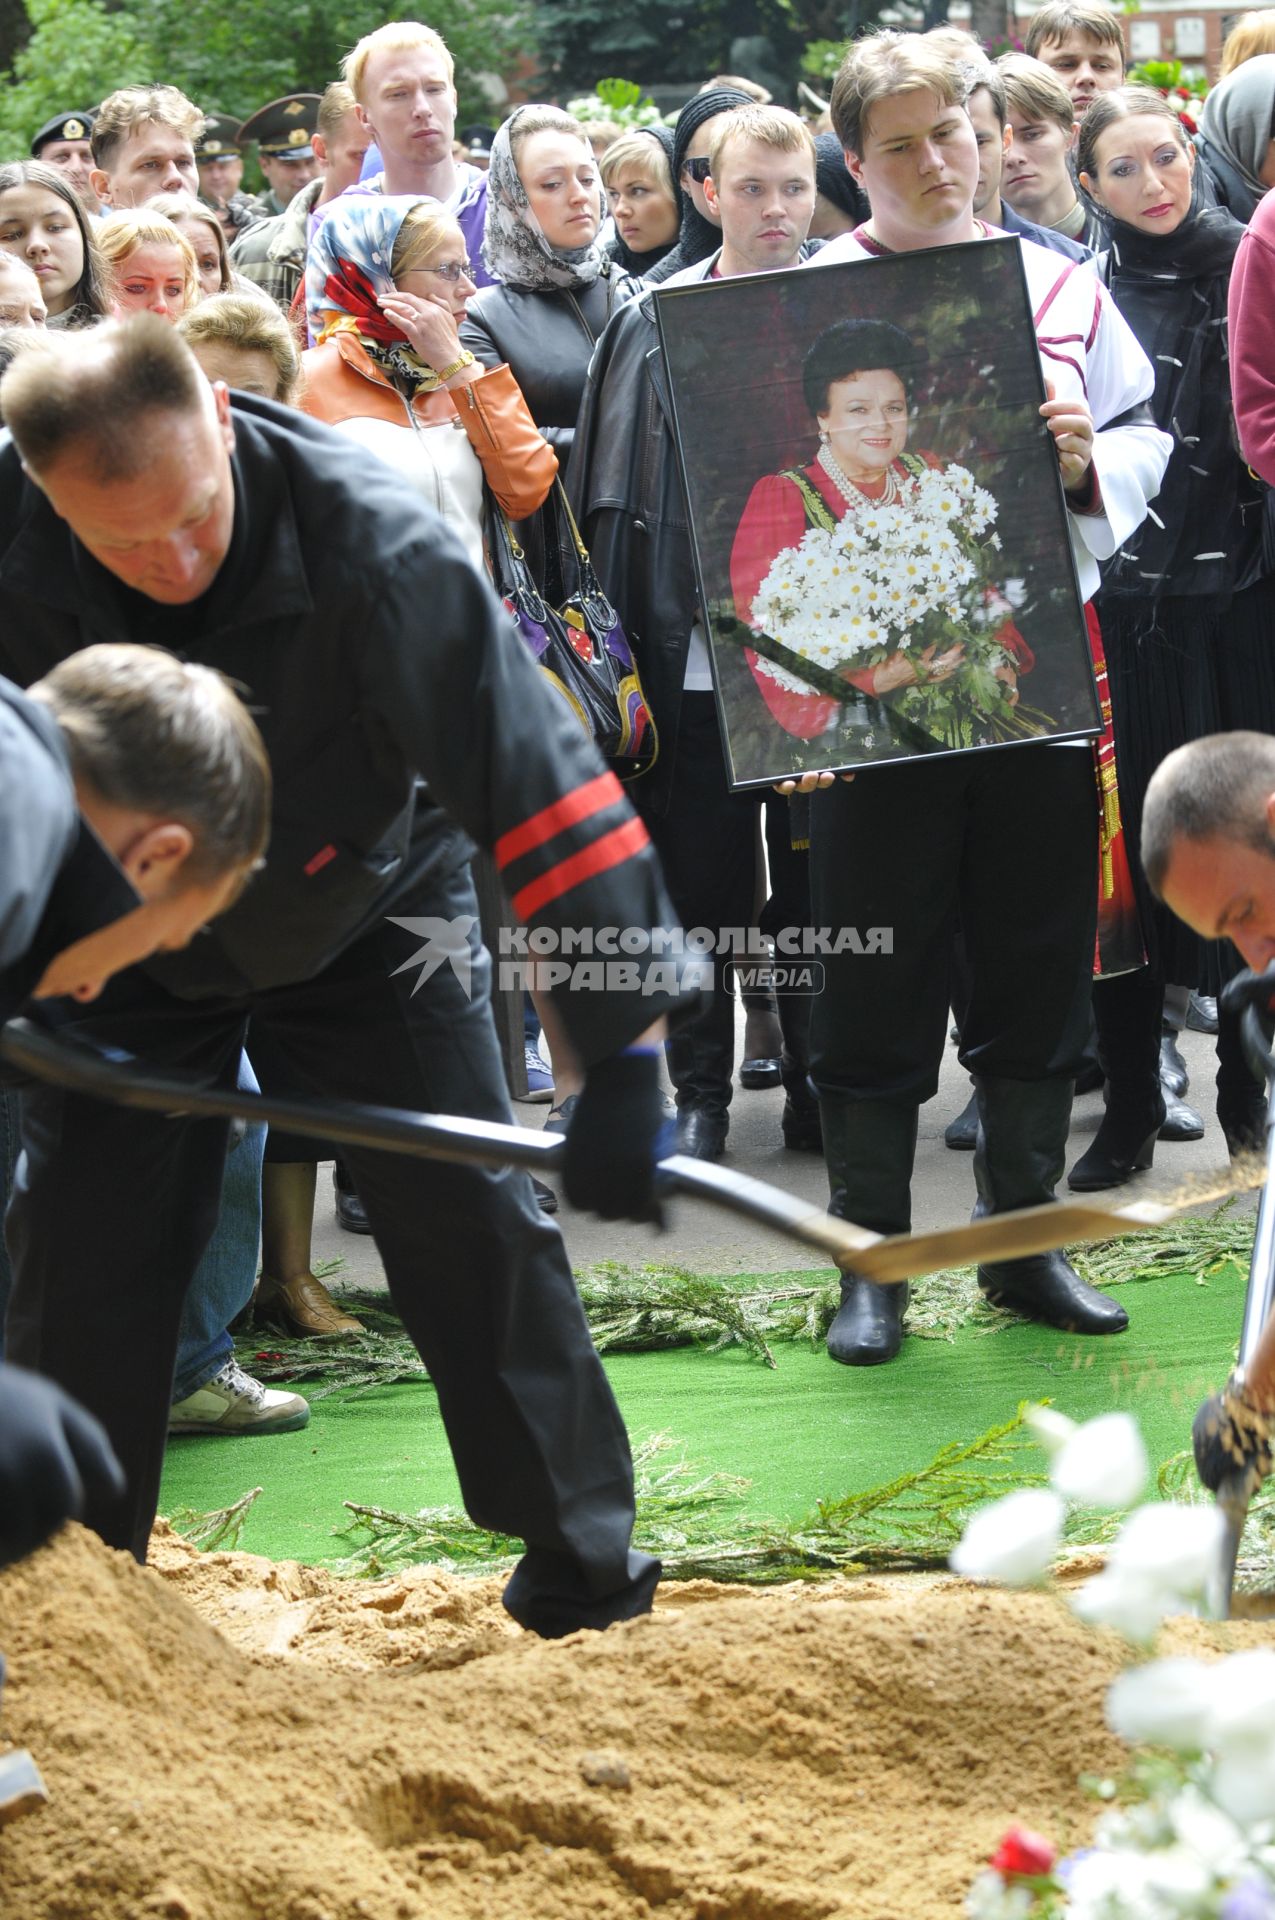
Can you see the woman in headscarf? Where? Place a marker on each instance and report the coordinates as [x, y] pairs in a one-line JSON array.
[[841, 205], [641, 191], [557, 291], [1237, 136], [1185, 605], [700, 233], [387, 285]]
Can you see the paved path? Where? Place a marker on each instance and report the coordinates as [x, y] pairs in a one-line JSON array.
[[712, 1241]]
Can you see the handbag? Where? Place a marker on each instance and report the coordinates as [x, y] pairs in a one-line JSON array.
[[580, 646]]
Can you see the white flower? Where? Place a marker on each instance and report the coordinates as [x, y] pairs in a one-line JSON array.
[[1129, 1605], [1014, 1541], [1176, 1547], [991, 1898], [1243, 1784], [1049, 1428], [1166, 1703], [1210, 1834], [1103, 1464], [1110, 1884], [1242, 1715]]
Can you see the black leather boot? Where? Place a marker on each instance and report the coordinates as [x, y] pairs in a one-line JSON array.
[[1018, 1161], [700, 1056], [799, 1122], [1128, 1011], [869, 1147]]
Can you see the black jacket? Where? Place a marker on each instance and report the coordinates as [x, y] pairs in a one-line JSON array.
[[627, 494], [57, 883], [373, 653], [547, 340]]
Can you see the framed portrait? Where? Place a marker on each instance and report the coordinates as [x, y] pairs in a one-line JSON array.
[[876, 510]]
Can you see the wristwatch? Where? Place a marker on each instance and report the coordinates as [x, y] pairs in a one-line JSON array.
[[464, 359]]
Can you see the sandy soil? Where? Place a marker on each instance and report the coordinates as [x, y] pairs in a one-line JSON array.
[[225, 1739]]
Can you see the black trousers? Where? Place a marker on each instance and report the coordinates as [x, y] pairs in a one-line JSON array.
[[112, 1210], [1009, 841], [706, 840]]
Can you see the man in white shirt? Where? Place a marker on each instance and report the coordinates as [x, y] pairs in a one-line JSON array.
[[1004, 839]]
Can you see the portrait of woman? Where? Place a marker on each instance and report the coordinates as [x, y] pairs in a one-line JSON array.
[[872, 563]]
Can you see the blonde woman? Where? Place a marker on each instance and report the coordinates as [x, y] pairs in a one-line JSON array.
[[637, 177], [152, 267], [245, 341], [387, 286]]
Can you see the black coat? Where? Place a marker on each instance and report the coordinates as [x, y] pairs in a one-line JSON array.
[[627, 494], [547, 341], [374, 655]]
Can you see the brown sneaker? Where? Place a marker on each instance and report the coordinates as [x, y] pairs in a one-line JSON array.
[[303, 1306]]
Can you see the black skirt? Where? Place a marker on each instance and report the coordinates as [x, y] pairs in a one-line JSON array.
[[1180, 668]]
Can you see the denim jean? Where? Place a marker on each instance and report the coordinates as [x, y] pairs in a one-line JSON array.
[[226, 1275]]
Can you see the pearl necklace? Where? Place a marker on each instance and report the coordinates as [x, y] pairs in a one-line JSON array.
[[854, 496]]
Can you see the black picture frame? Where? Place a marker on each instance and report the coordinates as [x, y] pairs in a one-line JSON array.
[[747, 445]]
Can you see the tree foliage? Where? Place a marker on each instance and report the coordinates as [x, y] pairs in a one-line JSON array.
[[231, 55]]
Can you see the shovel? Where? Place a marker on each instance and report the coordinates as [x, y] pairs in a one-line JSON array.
[[1257, 1332], [41, 1054]]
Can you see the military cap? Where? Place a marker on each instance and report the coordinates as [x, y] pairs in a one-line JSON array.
[[219, 139], [284, 128], [63, 126], [478, 139]]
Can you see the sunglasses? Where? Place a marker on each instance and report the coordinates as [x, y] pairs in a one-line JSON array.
[[698, 169], [455, 270]]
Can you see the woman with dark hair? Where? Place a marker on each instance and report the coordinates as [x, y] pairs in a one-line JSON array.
[[700, 233], [841, 205], [43, 223], [858, 379], [1185, 604], [1236, 145], [641, 191]]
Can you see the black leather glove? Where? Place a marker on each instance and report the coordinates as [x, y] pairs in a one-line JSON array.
[[617, 1135], [1230, 1437], [52, 1455]]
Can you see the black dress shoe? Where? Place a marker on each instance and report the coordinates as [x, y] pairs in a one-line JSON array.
[[802, 1127], [702, 1133], [1043, 1287], [546, 1198], [1123, 1145], [1174, 1077], [962, 1133], [1180, 1121], [1201, 1013], [350, 1211], [868, 1328], [759, 1073]]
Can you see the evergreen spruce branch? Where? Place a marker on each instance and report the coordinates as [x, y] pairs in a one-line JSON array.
[[1198, 1243], [219, 1528]]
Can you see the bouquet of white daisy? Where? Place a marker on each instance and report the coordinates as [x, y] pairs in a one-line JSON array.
[[904, 581]]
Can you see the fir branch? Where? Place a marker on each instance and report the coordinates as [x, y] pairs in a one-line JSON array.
[[1197, 1243], [219, 1528]]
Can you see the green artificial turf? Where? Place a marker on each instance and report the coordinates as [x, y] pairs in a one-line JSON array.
[[805, 1431]]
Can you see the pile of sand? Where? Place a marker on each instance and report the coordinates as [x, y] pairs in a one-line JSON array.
[[398, 1751]]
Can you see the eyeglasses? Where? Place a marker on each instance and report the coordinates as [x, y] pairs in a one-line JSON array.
[[699, 170], [453, 271]]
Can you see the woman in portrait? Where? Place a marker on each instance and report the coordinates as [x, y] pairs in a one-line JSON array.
[[868, 562]]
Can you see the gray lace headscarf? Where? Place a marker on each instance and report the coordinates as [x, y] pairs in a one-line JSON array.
[[515, 249]]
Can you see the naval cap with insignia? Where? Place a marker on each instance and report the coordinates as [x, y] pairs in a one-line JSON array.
[[63, 126], [219, 139], [284, 128]]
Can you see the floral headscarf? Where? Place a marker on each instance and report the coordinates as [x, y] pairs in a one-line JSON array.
[[349, 268], [515, 249]]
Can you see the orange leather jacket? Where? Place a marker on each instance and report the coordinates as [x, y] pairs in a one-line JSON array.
[[343, 382]]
